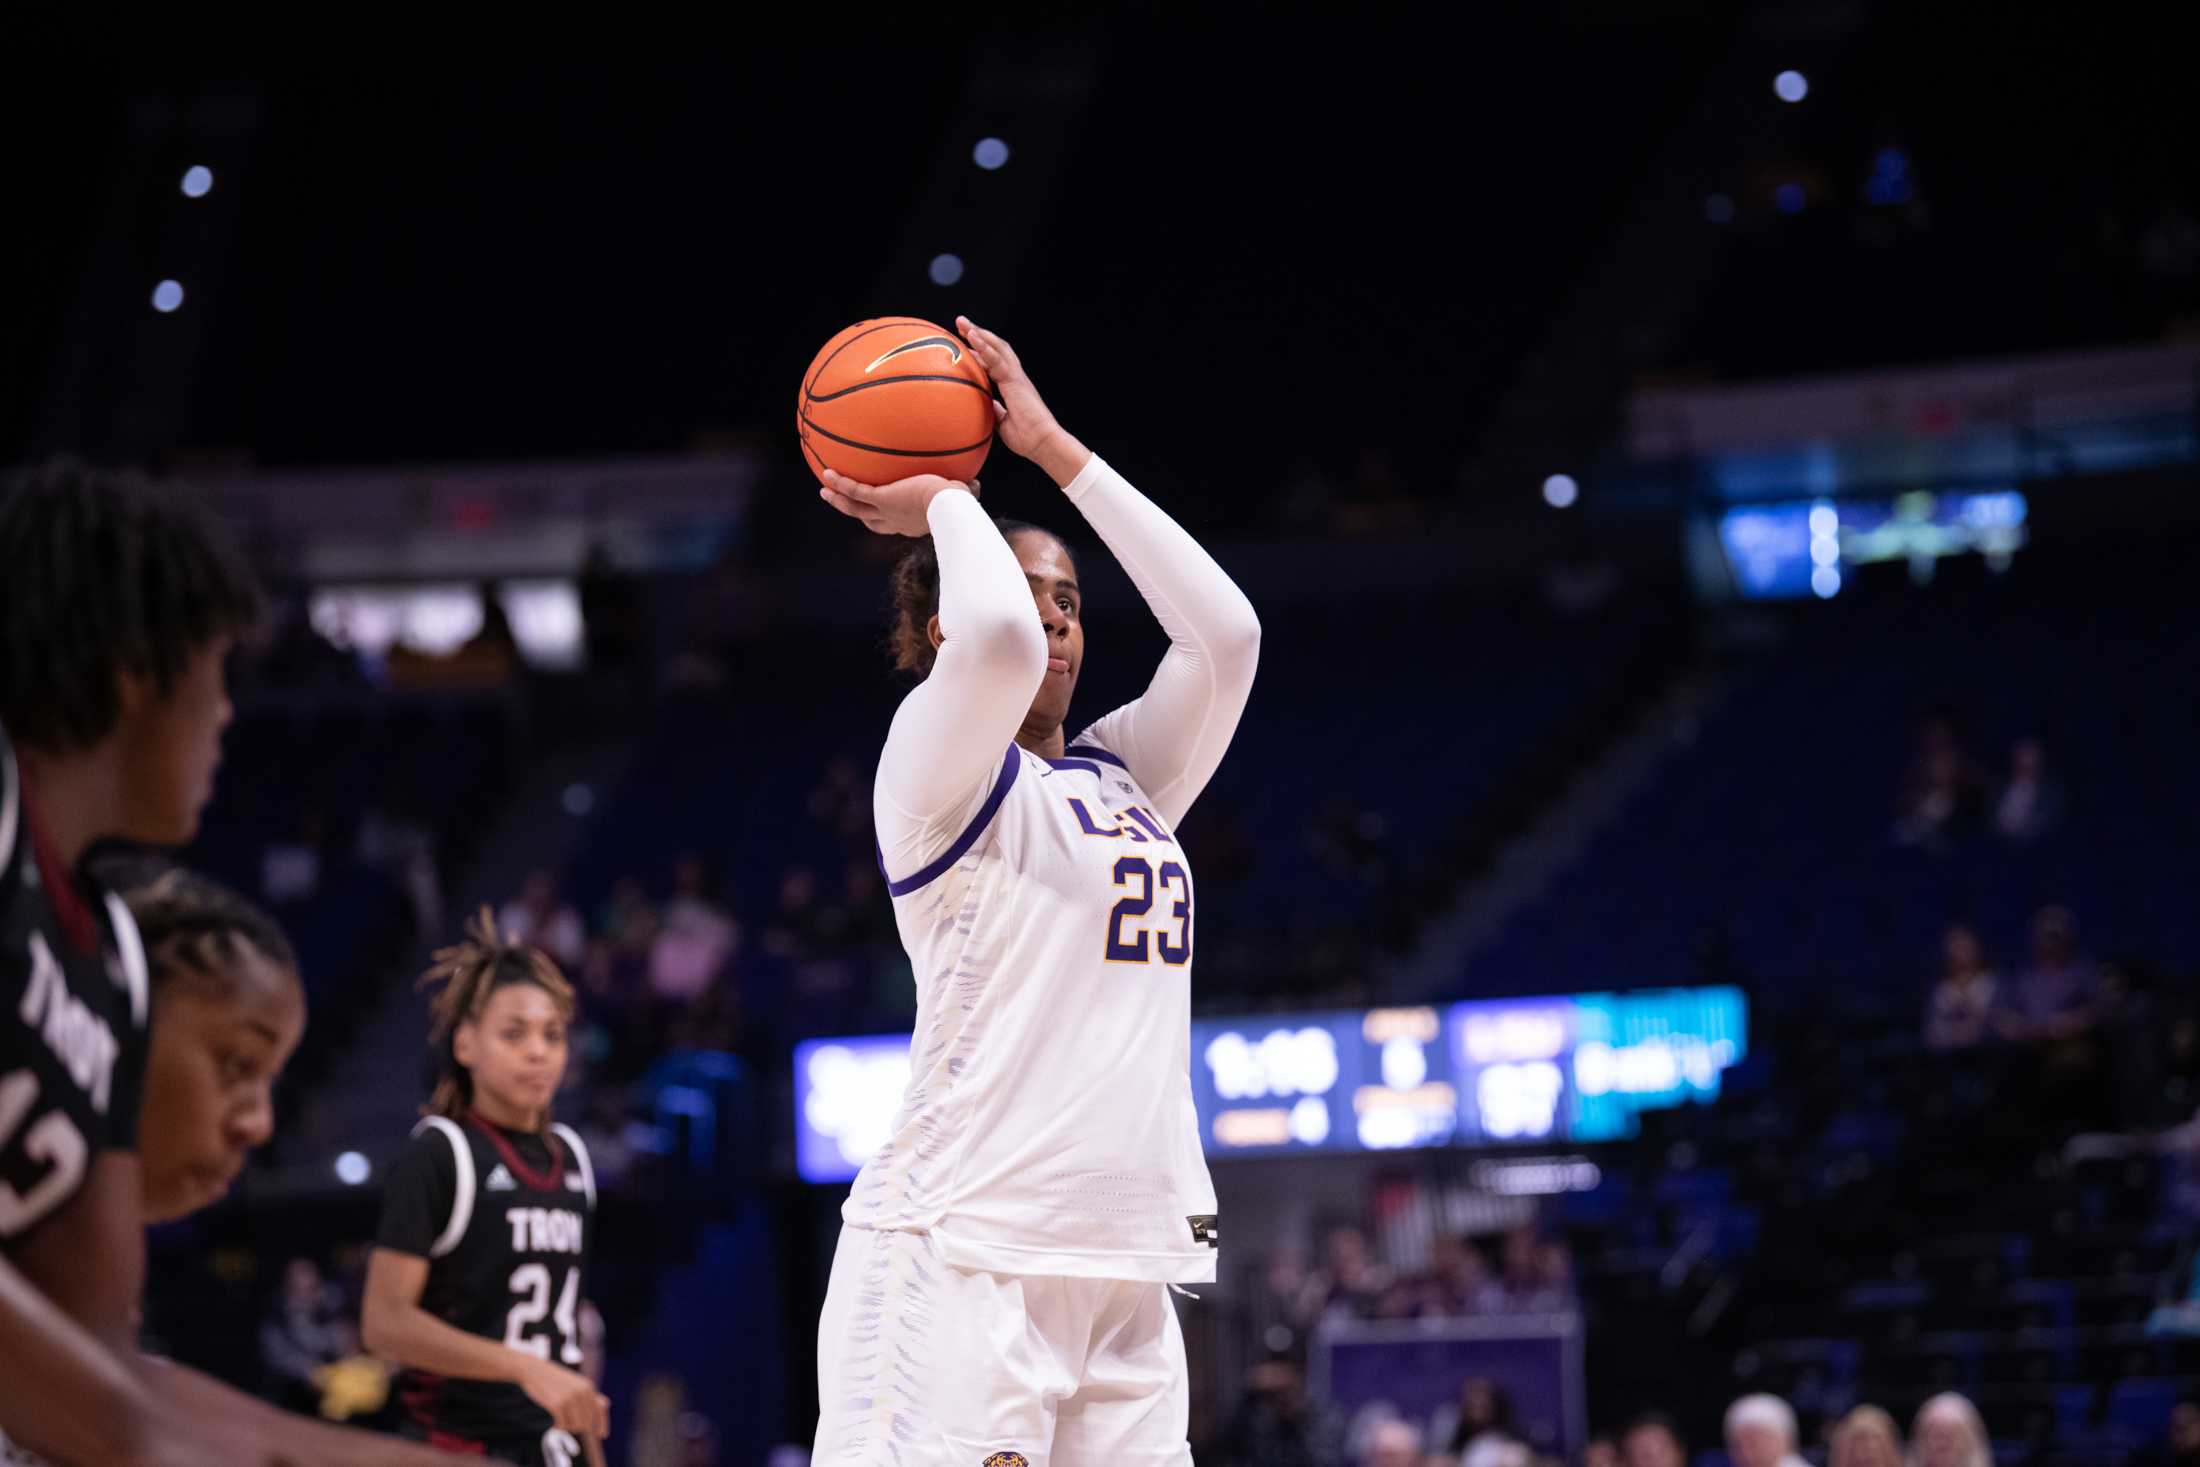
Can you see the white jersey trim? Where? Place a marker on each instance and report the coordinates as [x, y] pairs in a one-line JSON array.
[[462, 1199], [579, 1148], [10, 800], [131, 949]]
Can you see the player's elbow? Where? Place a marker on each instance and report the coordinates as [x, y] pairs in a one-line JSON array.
[[1237, 643], [378, 1327]]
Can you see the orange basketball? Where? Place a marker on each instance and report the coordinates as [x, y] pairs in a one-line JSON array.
[[894, 397]]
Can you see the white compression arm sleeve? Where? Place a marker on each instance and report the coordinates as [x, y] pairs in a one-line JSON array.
[[1173, 737], [949, 735]]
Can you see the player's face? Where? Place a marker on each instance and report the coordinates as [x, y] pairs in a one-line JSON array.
[[515, 1051], [171, 746], [1054, 589], [217, 1049]]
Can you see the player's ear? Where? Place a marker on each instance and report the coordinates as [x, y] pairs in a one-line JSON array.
[[462, 1043], [932, 630]]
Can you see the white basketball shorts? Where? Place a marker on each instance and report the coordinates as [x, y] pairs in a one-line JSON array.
[[921, 1364]]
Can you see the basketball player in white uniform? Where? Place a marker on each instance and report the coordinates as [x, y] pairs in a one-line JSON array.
[[1000, 1291]]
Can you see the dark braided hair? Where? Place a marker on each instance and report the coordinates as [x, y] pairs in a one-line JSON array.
[[100, 573], [470, 973], [915, 588], [191, 926]]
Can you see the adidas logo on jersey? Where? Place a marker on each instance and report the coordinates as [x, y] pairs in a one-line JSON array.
[[500, 1180], [573, 1182]]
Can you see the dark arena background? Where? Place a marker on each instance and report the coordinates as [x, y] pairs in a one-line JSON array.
[[1701, 903]]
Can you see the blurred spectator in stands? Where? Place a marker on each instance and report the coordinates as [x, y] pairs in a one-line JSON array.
[[1866, 1437], [841, 803], [792, 932], [1477, 1429], [2058, 996], [1290, 1287], [1537, 1273], [1949, 1433], [870, 913], [290, 866], [1652, 1440], [307, 1328], [1392, 1443], [2180, 1444], [698, 1441], [696, 940], [1459, 1282], [1276, 1424], [538, 918], [1601, 1451], [1350, 1284], [395, 841], [628, 922], [1760, 1432], [591, 1322], [1965, 1008], [1554, 1271], [655, 1437], [1942, 794], [2031, 800]]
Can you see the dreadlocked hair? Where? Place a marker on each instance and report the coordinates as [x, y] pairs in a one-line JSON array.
[[469, 974], [915, 592], [192, 928], [104, 573]]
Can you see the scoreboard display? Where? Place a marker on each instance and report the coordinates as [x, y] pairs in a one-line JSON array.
[[1579, 1068]]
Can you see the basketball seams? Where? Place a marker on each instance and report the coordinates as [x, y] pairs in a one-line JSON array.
[[825, 432], [886, 381]]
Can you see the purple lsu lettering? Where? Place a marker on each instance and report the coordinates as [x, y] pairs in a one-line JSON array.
[[1134, 821]]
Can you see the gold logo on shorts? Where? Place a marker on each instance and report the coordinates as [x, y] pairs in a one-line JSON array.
[[1005, 1459]]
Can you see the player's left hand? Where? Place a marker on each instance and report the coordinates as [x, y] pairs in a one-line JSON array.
[[1026, 425]]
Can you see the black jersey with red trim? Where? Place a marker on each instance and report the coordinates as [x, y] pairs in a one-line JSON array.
[[503, 1219], [74, 997]]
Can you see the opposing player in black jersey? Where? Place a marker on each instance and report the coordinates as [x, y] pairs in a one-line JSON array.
[[118, 606], [477, 1277], [228, 1013]]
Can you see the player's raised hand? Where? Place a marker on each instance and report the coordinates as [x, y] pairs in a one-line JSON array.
[[888, 509], [571, 1399], [1026, 424]]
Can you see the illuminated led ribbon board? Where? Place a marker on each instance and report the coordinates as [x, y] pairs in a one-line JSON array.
[[1574, 1069]]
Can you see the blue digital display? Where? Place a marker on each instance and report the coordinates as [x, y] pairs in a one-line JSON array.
[[1491, 1072]]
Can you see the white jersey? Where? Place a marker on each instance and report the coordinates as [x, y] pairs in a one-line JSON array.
[[1049, 915]]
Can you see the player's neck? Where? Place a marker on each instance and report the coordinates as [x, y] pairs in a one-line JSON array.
[[78, 797], [1046, 742], [504, 1117]]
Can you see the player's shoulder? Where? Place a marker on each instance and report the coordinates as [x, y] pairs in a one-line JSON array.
[[434, 1146]]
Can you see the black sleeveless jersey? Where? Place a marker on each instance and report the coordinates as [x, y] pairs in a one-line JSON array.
[[503, 1219], [74, 995]]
